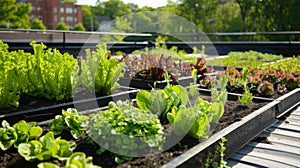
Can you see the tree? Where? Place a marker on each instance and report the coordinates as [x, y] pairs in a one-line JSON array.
[[88, 16], [15, 13], [112, 8], [62, 26], [171, 7], [7, 9], [79, 27], [37, 24], [199, 12]]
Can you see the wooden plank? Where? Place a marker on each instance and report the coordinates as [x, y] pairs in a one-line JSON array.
[[275, 156], [287, 126], [275, 146], [259, 161], [281, 138], [237, 164], [284, 132]]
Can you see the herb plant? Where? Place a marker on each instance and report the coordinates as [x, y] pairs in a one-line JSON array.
[[246, 97], [220, 150], [126, 130], [72, 120], [99, 72], [46, 148]]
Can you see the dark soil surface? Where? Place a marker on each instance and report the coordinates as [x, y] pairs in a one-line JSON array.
[[27, 102], [233, 112], [41, 109]]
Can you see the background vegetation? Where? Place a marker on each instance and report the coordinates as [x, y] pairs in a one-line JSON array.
[[209, 16]]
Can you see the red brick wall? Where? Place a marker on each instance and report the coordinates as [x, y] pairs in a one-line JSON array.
[[44, 10]]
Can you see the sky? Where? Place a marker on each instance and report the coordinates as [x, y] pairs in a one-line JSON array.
[[140, 3]]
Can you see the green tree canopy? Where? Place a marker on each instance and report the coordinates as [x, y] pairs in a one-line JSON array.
[[89, 16], [15, 13], [79, 27], [62, 26], [37, 24]]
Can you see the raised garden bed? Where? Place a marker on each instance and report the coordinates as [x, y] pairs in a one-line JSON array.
[[33, 109], [240, 133], [243, 59], [233, 112]]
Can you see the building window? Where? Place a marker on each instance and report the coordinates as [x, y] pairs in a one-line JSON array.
[[39, 9], [33, 8], [55, 18], [55, 9], [69, 19], [62, 10], [62, 19], [32, 17], [75, 19], [69, 10], [40, 17], [75, 10]]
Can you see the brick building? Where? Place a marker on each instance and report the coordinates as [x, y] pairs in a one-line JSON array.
[[51, 12]]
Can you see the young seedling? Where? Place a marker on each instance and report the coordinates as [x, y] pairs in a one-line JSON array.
[[246, 97]]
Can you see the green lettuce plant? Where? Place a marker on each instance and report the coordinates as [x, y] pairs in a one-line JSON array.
[[77, 159], [13, 81], [160, 102], [46, 148], [99, 72], [19, 133], [8, 136], [126, 129], [72, 120], [50, 74]]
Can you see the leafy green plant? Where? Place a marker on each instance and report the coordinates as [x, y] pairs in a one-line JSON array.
[[8, 136], [245, 59], [193, 121], [246, 97], [290, 65], [12, 67], [77, 159], [26, 131], [266, 88], [46, 148], [72, 120], [20, 132], [50, 74], [160, 102], [290, 80], [99, 72], [125, 129], [220, 150]]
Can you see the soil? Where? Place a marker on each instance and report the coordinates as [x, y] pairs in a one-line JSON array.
[[27, 102], [233, 112]]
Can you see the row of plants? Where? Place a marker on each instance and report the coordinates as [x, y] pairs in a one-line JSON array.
[[154, 67], [291, 65], [259, 81], [26, 137], [244, 59], [126, 129], [49, 74]]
